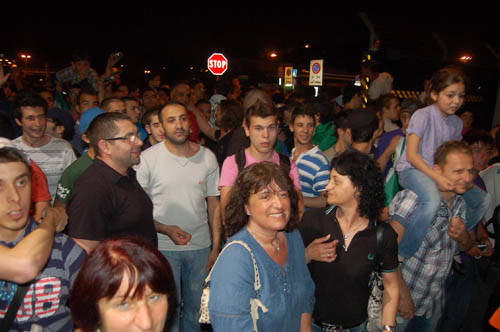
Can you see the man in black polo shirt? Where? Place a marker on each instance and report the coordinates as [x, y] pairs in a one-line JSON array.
[[107, 200]]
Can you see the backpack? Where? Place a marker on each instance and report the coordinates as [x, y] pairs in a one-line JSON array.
[[241, 160]]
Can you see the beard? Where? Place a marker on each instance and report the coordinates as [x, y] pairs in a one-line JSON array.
[[178, 140]]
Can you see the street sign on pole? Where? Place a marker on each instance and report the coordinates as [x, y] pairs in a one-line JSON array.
[[217, 64], [288, 76], [316, 73]]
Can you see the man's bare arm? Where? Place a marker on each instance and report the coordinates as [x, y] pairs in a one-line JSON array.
[[87, 245], [203, 124], [39, 207], [214, 220], [225, 192], [23, 262], [174, 232], [398, 228]]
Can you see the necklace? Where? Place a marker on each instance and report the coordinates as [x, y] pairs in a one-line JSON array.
[[352, 231], [276, 244]]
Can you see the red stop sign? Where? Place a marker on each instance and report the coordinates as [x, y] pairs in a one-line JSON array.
[[217, 64]]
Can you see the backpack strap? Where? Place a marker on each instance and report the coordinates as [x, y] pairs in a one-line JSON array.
[[284, 163], [241, 159]]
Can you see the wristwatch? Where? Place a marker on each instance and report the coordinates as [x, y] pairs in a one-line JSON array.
[[388, 328]]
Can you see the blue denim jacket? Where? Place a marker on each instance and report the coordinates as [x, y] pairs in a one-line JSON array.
[[287, 292]]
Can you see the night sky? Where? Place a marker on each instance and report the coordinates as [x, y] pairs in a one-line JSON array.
[[177, 36]]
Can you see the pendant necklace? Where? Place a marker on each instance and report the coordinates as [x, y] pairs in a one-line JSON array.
[[277, 245], [348, 235]]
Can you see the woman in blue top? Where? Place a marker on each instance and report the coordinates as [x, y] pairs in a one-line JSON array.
[[262, 212]]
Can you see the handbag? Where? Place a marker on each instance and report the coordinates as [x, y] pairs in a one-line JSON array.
[[376, 285], [255, 303]]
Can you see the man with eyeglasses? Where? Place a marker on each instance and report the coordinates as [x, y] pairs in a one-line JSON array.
[[51, 154], [107, 200]]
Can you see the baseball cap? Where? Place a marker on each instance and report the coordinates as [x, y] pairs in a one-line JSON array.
[[88, 116]]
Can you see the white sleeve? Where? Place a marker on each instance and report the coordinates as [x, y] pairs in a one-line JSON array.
[[142, 172], [213, 175]]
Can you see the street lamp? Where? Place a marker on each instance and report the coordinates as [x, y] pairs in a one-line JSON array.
[[25, 57], [465, 58]]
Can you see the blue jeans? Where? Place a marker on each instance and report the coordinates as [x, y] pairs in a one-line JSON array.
[[429, 200], [417, 324], [359, 328], [189, 269]]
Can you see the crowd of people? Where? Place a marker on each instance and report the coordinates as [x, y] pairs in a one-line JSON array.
[[122, 203]]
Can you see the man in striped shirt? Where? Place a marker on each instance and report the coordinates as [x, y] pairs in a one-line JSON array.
[[313, 165], [423, 275], [45, 300], [52, 154]]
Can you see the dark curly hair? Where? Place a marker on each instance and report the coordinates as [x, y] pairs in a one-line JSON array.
[[366, 177], [250, 181]]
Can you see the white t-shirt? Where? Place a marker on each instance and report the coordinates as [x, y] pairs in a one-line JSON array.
[[491, 179], [53, 158], [178, 187], [380, 86]]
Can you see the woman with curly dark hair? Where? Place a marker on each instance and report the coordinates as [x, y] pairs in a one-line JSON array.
[[262, 213], [341, 245]]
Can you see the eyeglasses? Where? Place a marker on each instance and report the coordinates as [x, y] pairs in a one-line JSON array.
[[130, 138]]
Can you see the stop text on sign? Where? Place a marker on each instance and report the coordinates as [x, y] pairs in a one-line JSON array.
[[217, 64]]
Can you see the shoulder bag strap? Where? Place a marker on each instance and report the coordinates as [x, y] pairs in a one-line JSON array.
[[255, 303], [255, 268], [13, 307]]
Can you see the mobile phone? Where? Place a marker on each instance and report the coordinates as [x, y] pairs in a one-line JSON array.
[[482, 246]]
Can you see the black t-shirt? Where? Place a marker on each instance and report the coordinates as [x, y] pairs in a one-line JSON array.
[[105, 203], [494, 160], [342, 290], [146, 144]]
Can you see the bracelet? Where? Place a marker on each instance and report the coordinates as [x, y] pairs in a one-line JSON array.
[[389, 328]]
